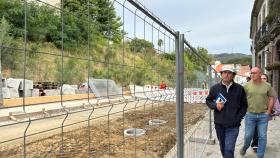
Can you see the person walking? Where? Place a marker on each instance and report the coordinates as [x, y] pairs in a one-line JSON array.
[[260, 104], [254, 144], [228, 99]]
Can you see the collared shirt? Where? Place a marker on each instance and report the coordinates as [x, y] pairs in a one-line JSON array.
[[227, 86]]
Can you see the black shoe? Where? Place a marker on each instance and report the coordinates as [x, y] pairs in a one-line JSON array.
[[255, 149]]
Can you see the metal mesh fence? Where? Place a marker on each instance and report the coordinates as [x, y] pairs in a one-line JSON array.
[[81, 80]]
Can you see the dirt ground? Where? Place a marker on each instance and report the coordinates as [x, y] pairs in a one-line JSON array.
[[106, 139]]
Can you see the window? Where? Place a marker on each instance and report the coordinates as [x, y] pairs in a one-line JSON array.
[[259, 21], [263, 13]]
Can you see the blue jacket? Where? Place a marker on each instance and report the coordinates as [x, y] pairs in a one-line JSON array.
[[235, 107]]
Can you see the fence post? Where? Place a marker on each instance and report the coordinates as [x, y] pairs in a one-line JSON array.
[[180, 93], [210, 112]]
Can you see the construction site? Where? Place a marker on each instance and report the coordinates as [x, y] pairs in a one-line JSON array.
[[104, 78]]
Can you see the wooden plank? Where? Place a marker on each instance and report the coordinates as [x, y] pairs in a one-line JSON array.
[[43, 99], [47, 99]]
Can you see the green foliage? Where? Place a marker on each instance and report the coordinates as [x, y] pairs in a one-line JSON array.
[[195, 67], [140, 45], [233, 58], [102, 13], [194, 62], [96, 27], [109, 23], [138, 76], [13, 12], [242, 61], [5, 38], [169, 56], [72, 73], [160, 43], [8, 56], [204, 54], [44, 22]]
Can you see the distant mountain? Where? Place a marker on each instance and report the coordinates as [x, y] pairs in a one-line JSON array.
[[233, 58]]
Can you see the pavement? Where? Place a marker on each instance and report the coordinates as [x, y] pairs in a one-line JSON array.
[[272, 148], [198, 144]]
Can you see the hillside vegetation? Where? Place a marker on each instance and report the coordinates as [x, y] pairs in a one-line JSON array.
[[91, 45], [233, 58]]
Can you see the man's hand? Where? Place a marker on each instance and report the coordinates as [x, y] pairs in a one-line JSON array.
[[268, 112], [220, 106]]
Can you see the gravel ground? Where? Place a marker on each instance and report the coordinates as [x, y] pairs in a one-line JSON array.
[[105, 138]]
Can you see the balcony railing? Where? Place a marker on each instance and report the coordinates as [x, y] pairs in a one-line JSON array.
[[275, 26], [262, 36], [263, 31], [266, 32]]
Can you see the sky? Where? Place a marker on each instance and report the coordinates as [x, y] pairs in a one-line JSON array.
[[220, 26]]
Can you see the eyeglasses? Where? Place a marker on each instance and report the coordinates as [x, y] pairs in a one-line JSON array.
[[264, 78], [253, 73]]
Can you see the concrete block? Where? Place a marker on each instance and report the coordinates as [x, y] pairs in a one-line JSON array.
[[35, 92], [28, 93], [68, 89], [28, 84], [13, 93], [81, 91], [52, 92], [13, 83], [74, 86], [6, 93]]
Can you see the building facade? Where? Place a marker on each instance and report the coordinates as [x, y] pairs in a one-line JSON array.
[[265, 36], [242, 72]]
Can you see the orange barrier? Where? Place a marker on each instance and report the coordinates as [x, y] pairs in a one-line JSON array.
[[47, 99]]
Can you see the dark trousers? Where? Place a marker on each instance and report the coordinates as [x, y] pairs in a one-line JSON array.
[[227, 139], [255, 138]]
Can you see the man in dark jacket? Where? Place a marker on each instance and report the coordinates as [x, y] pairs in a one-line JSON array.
[[228, 99]]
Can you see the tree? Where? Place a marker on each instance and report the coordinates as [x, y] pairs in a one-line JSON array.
[[8, 56], [43, 24], [160, 42], [109, 22], [13, 12], [140, 45], [102, 13]]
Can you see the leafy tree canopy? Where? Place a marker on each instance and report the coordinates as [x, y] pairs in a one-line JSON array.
[[140, 45]]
